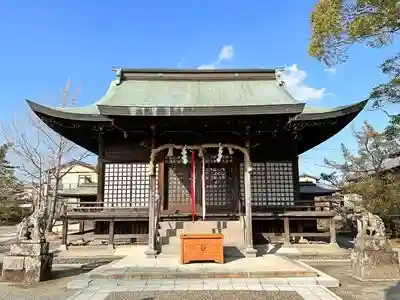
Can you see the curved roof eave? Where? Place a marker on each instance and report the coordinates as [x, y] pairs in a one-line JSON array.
[[309, 115], [91, 113]]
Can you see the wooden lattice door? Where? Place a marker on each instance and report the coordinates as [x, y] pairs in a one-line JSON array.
[[219, 191], [219, 184], [179, 185]]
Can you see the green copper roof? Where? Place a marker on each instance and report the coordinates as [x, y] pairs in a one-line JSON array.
[[192, 92], [157, 93]]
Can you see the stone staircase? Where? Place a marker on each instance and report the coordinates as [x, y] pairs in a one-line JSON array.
[[169, 235]]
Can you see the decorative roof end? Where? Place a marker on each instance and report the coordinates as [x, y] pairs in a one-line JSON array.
[[278, 75], [118, 74]]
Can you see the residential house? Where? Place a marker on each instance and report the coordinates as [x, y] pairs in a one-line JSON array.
[[310, 187], [79, 182]]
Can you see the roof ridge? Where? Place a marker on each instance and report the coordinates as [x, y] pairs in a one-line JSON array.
[[123, 74]]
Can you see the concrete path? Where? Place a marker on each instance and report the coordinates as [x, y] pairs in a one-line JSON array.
[[7, 233], [102, 289]]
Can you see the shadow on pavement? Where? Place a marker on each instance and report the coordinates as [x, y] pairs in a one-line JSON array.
[[393, 292]]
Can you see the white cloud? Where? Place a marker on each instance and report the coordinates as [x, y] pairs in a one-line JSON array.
[[206, 67], [225, 54], [330, 70], [294, 79]]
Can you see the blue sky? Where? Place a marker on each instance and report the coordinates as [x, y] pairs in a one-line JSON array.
[[46, 42]]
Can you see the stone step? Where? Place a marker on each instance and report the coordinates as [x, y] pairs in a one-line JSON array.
[[229, 237], [229, 251], [199, 224]]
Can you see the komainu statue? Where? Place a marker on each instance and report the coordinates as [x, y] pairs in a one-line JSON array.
[[369, 224], [32, 227]]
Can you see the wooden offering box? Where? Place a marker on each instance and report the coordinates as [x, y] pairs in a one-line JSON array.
[[202, 247]]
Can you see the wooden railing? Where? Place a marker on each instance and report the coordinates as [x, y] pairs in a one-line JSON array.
[[306, 207]]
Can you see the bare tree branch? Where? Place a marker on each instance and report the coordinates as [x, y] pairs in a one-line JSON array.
[[41, 154]]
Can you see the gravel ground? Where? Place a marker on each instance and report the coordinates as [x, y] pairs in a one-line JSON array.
[[51, 290], [197, 295], [54, 289], [352, 289]]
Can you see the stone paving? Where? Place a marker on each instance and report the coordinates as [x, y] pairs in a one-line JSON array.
[[137, 267], [102, 289], [135, 275]]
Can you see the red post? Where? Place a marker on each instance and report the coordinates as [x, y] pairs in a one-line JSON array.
[[193, 186]]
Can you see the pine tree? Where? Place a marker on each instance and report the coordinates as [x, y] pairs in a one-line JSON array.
[[10, 190], [366, 172]]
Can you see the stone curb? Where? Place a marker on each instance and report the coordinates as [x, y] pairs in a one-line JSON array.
[[95, 284], [173, 274], [323, 278]]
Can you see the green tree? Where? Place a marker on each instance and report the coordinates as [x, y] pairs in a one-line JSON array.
[[367, 172], [10, 187], [10, 190], [339, 24]]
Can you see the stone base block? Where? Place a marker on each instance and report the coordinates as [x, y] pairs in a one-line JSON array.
[[373, 259], [27, 269], [29, 249], [150, 253], [250, 252]]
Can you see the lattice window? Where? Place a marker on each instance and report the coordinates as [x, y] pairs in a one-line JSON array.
[[178, 181], [280, 188], [218, 181], [127, 185], [271, 183]]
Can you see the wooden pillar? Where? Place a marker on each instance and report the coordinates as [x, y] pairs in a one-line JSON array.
[[151, 250], [100, 169], [64, 234], [249, 251], [332, 229], [237, 205], [286, 228], [295, 172], [81, 226], [111, 232]]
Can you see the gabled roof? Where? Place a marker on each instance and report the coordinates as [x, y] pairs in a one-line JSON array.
[[164, 92], [317, 188], [185, 93], [307, 175], [175, 92], [74, 163]]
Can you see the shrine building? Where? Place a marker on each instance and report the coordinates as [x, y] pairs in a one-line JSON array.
[[203, 150]]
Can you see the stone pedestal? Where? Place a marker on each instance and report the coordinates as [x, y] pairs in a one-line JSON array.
[[250, 252], [373, 259], [27, 262]]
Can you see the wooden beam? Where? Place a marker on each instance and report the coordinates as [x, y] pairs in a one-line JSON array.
[[310, 234]]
